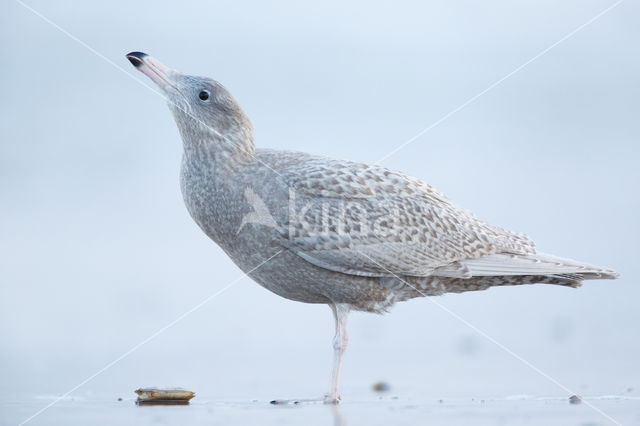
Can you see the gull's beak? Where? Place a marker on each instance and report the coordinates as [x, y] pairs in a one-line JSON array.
[[152, 68]]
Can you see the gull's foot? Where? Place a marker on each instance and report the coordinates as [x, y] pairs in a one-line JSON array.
[[297, 401], [327, 399], [331, 399]]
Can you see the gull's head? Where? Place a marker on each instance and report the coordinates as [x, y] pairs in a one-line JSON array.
[[202, 107]]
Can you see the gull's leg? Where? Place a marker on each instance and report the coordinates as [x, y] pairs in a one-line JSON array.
[[340, 313]]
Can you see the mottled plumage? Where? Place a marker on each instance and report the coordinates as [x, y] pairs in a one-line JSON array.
[[350, 235]]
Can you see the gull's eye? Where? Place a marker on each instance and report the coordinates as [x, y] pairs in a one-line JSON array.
[[204, 95]]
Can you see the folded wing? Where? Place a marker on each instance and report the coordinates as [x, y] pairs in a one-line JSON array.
[[371, 221]]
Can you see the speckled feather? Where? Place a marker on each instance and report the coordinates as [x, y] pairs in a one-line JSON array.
[[417, 229]]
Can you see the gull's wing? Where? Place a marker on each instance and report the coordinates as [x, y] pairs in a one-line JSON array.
[[371, 221]]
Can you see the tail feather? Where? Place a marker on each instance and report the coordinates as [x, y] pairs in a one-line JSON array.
[[540, 264]]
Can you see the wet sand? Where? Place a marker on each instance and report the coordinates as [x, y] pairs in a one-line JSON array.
[[386, 410]]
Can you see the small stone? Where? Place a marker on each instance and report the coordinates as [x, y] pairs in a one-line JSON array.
[[381, 387], [119, 399], [575, 399]]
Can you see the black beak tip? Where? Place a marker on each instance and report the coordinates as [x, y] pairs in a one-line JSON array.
[[136, 58]]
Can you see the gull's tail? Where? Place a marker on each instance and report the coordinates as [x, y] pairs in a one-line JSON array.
[[526, 269]]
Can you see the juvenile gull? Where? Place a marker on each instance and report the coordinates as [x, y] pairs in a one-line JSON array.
[[350, 235]]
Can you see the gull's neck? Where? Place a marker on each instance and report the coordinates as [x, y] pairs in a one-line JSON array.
[[219, 150]]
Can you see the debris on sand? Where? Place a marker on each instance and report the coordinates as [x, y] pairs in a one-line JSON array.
[[575, 399], [155, 396], [381, 387]]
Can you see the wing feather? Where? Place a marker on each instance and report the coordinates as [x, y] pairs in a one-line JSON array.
[[371, 221], [502, 264]]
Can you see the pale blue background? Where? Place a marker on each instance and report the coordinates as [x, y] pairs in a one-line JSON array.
[[97, 251]]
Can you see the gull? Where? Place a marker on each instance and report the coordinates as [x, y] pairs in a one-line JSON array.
[[356, 237]]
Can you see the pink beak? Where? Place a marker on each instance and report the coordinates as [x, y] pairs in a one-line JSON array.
[[152, 68]]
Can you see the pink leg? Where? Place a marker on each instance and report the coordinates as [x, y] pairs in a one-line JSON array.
[[340, 313]]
